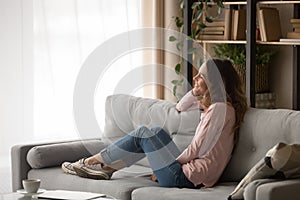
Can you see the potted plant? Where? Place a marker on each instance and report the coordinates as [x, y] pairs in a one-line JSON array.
[[237, 54], [200, 17]]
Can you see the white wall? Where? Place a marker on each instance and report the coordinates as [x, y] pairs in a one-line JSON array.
[[15, 64]]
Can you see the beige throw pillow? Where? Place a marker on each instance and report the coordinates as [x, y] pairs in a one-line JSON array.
[[282, 161]]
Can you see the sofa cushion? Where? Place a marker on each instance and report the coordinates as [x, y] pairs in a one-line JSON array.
[[217, 192], [55, 154], [120, 186], [282, 161], [285, 159], [260, 131]]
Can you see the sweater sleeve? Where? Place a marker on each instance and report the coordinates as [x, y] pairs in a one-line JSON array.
[[188, 102]]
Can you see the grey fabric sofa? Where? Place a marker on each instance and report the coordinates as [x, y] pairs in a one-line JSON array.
[[261, 130]]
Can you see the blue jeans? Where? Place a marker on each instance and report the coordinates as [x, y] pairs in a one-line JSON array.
[[160, 150]]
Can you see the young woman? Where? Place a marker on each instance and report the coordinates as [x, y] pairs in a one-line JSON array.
[[218, 92]]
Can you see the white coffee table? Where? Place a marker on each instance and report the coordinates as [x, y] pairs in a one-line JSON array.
[[17, 196]]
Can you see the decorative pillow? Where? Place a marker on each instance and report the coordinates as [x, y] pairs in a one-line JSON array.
[[282, 161], [55, 154]]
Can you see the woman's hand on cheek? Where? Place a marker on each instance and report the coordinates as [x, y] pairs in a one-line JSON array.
[[196, 91]]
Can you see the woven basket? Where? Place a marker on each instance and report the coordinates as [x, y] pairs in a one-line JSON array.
[[261, 79]]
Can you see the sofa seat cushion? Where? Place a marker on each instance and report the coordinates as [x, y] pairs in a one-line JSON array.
[[120, 186], [220, 191]]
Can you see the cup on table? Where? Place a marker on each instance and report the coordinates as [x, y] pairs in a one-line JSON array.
[[31, 185]]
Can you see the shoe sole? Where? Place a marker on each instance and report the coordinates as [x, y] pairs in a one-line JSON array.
[[87, 174]]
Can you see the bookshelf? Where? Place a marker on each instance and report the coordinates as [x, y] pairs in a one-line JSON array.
[[251, 42]]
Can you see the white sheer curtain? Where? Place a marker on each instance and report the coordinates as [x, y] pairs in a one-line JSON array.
[[65, 33]]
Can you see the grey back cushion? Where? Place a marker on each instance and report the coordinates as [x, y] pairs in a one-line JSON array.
[[125, 113], [260, 131]]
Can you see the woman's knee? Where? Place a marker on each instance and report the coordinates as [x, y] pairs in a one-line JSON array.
[[156, 129], [145, 132]]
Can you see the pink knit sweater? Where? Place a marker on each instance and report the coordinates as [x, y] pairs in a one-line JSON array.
[[205, 167]]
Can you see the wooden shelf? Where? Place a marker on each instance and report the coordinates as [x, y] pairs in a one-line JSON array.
[[278, 2], [244, 42], [235, 3], [278, 43], [230, 3], [222, 41]]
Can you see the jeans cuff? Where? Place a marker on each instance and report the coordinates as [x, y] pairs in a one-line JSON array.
[[105, 157]]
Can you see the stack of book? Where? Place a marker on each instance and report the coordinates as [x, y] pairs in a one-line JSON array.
[[213, 31], [230, 26], [296, 29], [269, 24], [265, 100]]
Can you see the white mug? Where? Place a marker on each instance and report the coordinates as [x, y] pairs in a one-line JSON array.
[[31, 185]]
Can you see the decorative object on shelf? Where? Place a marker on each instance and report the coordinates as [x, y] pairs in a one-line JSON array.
[[201, 18], [237, 54], [265, 100], [296, 29]]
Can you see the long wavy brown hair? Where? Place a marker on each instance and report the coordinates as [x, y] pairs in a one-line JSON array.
[[234, 90]]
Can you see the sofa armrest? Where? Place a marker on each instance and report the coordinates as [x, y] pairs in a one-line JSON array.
[[41, 155], [278, 190]]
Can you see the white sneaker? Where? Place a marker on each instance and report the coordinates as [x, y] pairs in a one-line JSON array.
[[68, 168], [92, 171]]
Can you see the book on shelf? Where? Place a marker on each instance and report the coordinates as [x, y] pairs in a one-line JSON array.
[[211, 37], [296, 25], [213, 28], [269, 23], [238, 24], [216, 23], [296, 29], [295, 21], [212, 32], [262, 30], [227, 23], [293, 35]]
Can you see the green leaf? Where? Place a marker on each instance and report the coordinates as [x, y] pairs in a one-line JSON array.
[[195, 4], [220, 4], [178, 46], [179, 22], [189, 38], [197, 32], [174, 82], [199, 62], [191, 50], [198, 14], [180, 82], [172, 38], [208, 19], [178, 68], [201, 6], [174, 90], [201, 25], [182, 4]]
